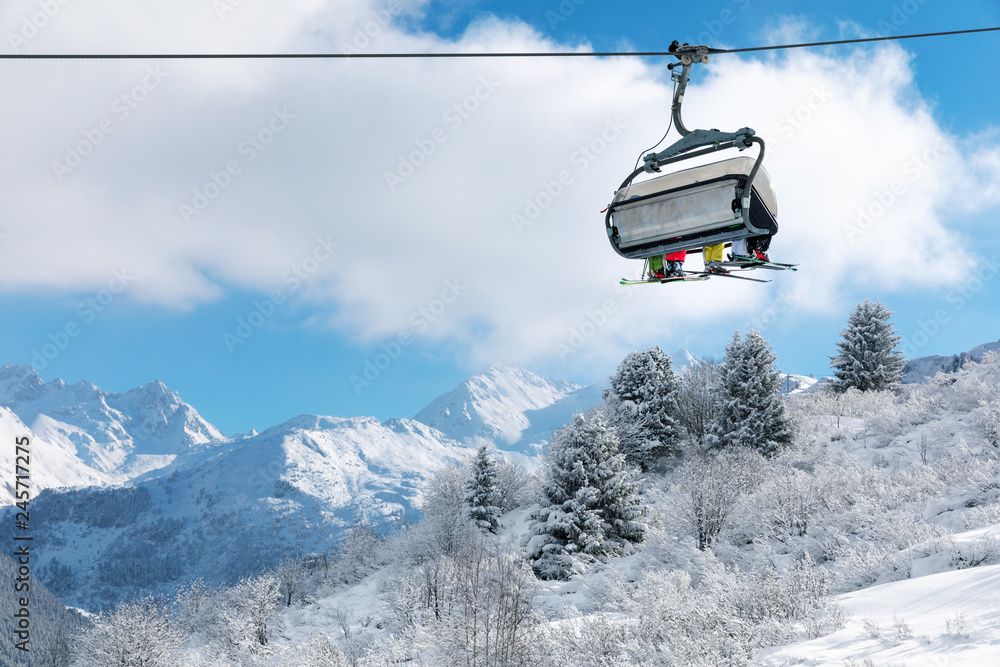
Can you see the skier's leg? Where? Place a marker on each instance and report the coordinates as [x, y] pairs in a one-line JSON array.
[[656, 266], [675, 262], [713, 255], [739, 249]]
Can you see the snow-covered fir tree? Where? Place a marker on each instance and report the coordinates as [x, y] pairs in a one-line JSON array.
[[641, 405], [590, 505], [868, 359], [482, 493], [752, 413]]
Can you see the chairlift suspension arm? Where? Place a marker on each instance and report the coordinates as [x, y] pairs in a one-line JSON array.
[[691, 139], [675, 109]]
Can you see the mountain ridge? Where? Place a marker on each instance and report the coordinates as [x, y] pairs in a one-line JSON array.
[[81, 434]]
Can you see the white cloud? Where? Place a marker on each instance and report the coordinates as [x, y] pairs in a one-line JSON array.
[[841, 133]]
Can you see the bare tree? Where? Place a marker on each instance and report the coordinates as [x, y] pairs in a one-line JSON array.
[[714, 486], [291, 576], [317, 652], [359, 553], [247, 611], [495, 593], [698, 400], [343, 617], [55, 650], [135, 634], [511, 480], [444, 509], [192, 601], [988, 421]]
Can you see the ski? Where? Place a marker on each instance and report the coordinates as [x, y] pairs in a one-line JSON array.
[[686, 278], [758, 264], [689, 277], [709, 274]]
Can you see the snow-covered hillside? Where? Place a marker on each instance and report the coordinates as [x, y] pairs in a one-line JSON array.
[[83, 435], [232, 510], [921, 368], [877, 491], [889, 503], [499, 406], [950, 618]]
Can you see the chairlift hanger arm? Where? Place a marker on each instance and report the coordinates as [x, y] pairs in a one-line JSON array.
[[688, 55], [692, 139]]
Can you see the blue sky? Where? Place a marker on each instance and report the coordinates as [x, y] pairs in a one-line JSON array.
[[357, 216]]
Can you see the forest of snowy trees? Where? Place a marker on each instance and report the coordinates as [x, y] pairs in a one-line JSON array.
[[691, 518]]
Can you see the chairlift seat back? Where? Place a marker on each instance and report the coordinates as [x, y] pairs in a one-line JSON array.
[[688, 209]]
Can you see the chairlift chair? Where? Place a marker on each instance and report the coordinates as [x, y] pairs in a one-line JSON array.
[[687, 210]]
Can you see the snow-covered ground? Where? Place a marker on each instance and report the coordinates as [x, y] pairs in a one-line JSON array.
[[949, 618]]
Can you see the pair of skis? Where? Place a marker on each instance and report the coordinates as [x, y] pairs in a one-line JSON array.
[[698, 276], [688, 277], [757, 264]]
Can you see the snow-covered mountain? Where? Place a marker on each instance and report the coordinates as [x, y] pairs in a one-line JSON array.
[[796, 384], [502, 406], [81, 434], [921, 368], [53, 465], [231, 510]]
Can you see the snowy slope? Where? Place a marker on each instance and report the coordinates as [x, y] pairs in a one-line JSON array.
[[949, 618], [81, 434], [494, 407], [232, 510]]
